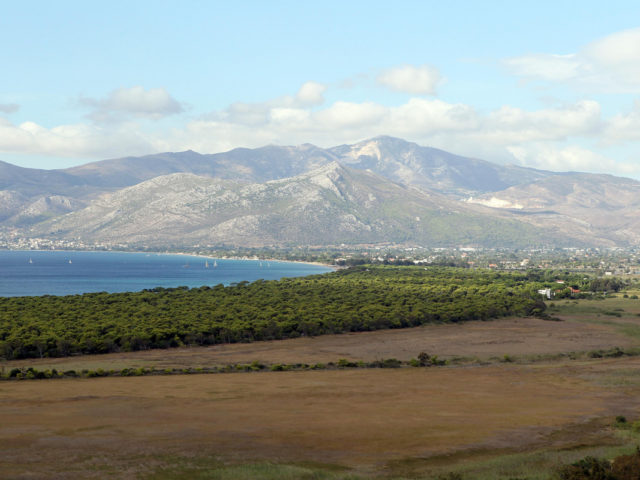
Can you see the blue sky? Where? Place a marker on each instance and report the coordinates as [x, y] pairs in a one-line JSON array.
[[552, 85]]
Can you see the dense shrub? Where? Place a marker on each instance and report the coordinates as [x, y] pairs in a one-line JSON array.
[[589, 468], [626, 467], [358, 299]]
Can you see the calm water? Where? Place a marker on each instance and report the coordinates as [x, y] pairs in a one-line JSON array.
[[66, 273]]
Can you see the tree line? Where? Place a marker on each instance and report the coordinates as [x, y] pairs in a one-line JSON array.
[[356, 299]]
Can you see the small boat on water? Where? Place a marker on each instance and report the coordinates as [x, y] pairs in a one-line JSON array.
[[206, 264], [30, 260], [70, 261], [215, 264]]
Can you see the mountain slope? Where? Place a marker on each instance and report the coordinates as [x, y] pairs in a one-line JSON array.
[[243, 164], [588, 206], [432, 169], [395, 159], [410, 181], [329, 205]]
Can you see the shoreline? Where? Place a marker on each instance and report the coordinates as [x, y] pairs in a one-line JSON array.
[[254, 259], [237, 269], [197, 255]]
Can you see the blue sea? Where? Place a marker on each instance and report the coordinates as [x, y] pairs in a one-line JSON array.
[[25, 273]]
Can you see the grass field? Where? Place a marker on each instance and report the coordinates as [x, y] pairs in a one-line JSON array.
[[486, 421], [515, 337], [400, 422]]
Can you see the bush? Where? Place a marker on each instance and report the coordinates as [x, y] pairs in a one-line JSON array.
[[615, 352], [627, 467], [256, 365], [425, 359], [450, 476], [344, 363], [391, 363], [589, 468]]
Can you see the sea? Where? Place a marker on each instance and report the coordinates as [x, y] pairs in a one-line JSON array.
[[31, 273]]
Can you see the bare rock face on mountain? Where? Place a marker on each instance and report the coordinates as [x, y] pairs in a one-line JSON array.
[[327, 206], [592, 207], [433, 169]]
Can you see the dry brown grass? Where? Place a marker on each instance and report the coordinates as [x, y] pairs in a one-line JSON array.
[[358, 418], [507, 336], [371, 420]]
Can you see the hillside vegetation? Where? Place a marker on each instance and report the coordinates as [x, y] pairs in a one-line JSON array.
[[358, 299]]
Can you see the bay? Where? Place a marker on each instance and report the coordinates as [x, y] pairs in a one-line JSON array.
[[28, 273]]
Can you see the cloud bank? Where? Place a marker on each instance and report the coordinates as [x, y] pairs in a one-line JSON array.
[[566, 136], [135, 101], [610, 64]]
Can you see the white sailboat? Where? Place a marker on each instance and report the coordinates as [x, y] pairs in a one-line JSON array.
[[30, 260], [206, 264], [215, 264]]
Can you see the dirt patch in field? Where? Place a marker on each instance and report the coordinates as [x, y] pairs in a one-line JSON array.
[[508, 336], [358, 418]]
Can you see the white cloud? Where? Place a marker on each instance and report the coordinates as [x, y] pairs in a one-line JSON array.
[[349, 115], [134, 101], [547, 67], [458, 128], [75, 141], [571, 158], [623, 126], [517, 125], [9, 107], [609, 64], [311, 93], [540, 138], [417, 80], [420, 116]]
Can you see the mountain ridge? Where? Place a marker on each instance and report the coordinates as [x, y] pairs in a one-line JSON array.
[[31, 200], [332, 204]]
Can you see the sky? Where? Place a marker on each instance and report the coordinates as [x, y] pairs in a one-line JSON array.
[[547, 84]]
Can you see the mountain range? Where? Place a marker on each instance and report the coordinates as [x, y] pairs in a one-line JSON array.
[[379, 191]]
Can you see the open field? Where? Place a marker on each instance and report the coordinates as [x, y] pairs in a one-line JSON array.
[[483, 340], [501, 420], [371, 420]]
